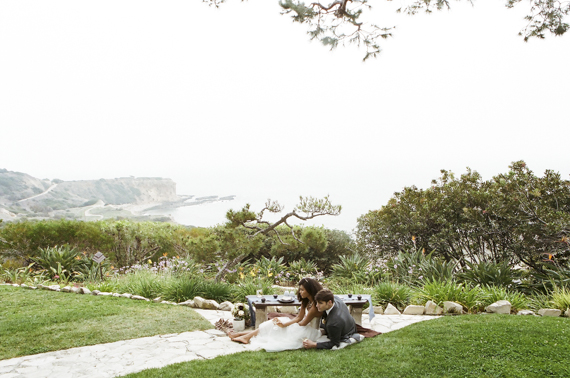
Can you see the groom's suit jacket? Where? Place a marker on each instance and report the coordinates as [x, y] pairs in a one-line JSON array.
[[339, 325]]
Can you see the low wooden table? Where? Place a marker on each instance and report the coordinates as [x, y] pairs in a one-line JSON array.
[[354, 304]]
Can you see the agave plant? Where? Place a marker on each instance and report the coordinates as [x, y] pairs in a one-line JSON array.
[[397, 294], [348, 266], [301, 268], [490, 274], [59, 260], [415, 267]]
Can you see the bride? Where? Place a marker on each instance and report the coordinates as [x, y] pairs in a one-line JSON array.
[[284, 333]]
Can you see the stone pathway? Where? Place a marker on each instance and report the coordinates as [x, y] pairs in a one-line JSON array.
[[130, 356]]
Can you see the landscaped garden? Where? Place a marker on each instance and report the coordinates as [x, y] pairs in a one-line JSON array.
[[463, 240]]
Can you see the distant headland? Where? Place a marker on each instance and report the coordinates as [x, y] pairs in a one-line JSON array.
[[25, 197]]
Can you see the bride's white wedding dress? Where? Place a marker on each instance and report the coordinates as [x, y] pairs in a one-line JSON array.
[[273, 338]]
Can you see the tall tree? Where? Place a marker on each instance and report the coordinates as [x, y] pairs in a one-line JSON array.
[[515, 217], [245, 231], [338, 22]]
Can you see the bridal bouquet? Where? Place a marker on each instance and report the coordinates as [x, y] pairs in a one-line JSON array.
[[240, 312]]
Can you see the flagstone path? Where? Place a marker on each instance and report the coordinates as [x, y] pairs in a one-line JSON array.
[[130, 356]]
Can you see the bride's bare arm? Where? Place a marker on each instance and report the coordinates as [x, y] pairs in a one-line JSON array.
[[296, 319], [312, 313]]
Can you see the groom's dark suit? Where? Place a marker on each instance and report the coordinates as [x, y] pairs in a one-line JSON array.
[[339, 325]]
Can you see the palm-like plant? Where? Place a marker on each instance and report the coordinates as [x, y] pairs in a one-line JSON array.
[[62, 261]]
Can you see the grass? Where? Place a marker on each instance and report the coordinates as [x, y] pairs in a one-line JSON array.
[[454, 346], [38, 321]]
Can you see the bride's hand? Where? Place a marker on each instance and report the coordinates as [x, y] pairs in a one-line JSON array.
[[277, 322]]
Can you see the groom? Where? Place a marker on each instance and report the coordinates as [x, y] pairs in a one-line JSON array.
[[338, 323]]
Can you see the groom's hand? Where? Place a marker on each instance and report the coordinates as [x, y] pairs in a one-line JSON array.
[[308, 344]]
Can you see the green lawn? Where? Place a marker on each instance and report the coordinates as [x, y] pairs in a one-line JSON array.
[[458, 346], [37, 321]]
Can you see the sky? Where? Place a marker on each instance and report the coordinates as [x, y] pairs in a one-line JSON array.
[[237, 100]]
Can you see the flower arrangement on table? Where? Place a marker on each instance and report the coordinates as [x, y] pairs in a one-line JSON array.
[[241, 312]]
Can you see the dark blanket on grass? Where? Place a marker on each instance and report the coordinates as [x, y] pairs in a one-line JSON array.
[[366, 332]]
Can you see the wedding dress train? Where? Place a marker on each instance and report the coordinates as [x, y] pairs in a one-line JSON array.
[[273, 338]]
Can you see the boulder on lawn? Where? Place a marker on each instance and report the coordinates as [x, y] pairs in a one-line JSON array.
[[549, 312], [378, 310], [499, 307], [526, 312], [414, 310], [391, 310], [226, 306], [452, 308], [431, 308]]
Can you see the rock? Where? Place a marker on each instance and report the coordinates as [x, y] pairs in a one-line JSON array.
[[66, 289], [139, 298], [549, 312], [85, 290], [54, 288], [105, 294], [378, 310], [210, 304], [227, 306], [499, 307], [198, 301], [567, 313], [39, 286], [16, 285], [157, 300], [23, 285], [170, 303], [188, 303], [116, 295], [391, 310], [126, 295], [452, 308], [76, 290], [526, 312], [414, 310], [431, 308], [95, 292]]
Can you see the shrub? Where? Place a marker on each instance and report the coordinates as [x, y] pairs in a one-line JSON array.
[[414, 267], [269, 268], [182, 289], [60, 261], [397, 294], [489, 274], [218, 291], [561, 298], [492, 294], [142, 282], [301, 268], [539, 300], [357, 269], [441, 291], [249, 286]]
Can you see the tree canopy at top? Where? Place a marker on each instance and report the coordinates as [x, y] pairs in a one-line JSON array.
[[338, 22]]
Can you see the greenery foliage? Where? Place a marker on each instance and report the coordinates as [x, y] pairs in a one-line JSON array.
[[515, 217], [490, 273], [398, 295]]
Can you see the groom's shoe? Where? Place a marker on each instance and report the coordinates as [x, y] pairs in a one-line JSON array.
[[356, 338]]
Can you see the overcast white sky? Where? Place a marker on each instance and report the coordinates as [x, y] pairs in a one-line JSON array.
[[236, 100]]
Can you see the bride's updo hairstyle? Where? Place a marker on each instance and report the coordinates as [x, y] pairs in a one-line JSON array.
[[312, 286]]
